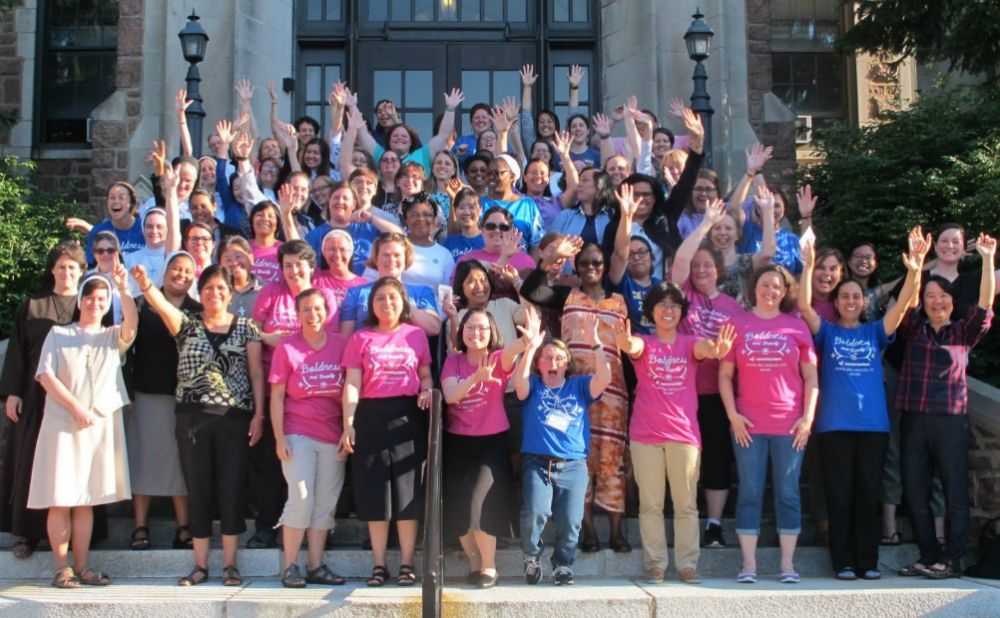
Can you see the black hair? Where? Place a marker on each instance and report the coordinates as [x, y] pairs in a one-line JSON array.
[[496, 339], [604, 191], [323, 169], [297, 248], [308, 120], [667, 132], [874, 279], [415, 142], [484, 156], [548, 112], [421, 197], [212, 271], [480, 106], [371, 319], [462, 272], [848, 281], [307, 294], [660, 292], [259, 207]]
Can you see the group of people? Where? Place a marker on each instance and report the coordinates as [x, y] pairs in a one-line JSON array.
[[592, 309]]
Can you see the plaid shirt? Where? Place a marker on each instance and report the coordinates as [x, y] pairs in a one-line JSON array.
[[932, 379]]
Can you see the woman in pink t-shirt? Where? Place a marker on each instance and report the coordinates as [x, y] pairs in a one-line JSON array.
[[335, 272], [699, 268], [503, 246], [264, 218], [306, 390], [773, 368], [387, 385], [474, 380], [663, 434]]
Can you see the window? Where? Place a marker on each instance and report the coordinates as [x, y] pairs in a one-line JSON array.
[[78, 53], [324, 10], [413, 93], [318, 72], [570, 11], [457, 11]]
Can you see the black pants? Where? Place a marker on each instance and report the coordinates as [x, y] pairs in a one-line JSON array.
[[852, 463], [941, 442], [267, 483]]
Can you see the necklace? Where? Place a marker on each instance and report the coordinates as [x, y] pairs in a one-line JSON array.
[[64, 306]]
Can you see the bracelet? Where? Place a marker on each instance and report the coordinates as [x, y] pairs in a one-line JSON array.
[[807, 217], [751, 175], [258, 417], [450, 109], [604, 135], [596, 347], [577, 87], [146, 289], [238, 159]]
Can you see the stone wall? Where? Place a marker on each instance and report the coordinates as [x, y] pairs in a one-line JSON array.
[[11, 68], [984, 455]]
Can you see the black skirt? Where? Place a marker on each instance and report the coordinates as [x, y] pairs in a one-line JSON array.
[[476, 471], [388, 464]]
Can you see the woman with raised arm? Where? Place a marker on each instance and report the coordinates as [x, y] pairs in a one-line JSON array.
[[220, 411], [538, 179], [596, 203], [502, 245], [474, 380], [444, 174], [388, 386], [107, 254], [307, 380], [932, 398], [773, 363], [852, 424], [503, 174], [724, 237], [123, 220], [54, 305], [82, 433], [664, 432], [698, 270], [546, 125], [160, 226], [557, 438], [631, 269]]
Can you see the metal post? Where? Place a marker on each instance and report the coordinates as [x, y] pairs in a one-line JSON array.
[[195, 113], [433, 580], [701, 105]]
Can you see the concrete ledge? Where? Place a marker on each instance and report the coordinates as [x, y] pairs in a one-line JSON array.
[[984, 405]]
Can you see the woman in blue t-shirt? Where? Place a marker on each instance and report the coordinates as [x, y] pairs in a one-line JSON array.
[[556, 436], [852, 422]]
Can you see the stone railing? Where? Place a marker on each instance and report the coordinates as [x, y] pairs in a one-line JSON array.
[[984, 454]]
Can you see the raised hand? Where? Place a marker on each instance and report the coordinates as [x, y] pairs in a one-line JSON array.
[[626, 201], [764, 199], [448, 306], [692, 123], [531, 332], [452, 187], [285, 198], [716, 210], [506, 272], [169, 180], [355, 119], [352, 99], [986, 246], [273, 92], [528, 75], [724, 340], [562, 142], [622, 330], [225, 130], [454, 98], [575, 76], [757, 156], [158, 155], [669, 177], [244, 89], [140, 276], [676, 107], [119, 275], [500, 120], [566, 247], [511, 245], [484, 370], [181, 102], [289, 138], [338, 94], [510, 108], [602, 125], [806, 201], [808, 253], [243, 146]]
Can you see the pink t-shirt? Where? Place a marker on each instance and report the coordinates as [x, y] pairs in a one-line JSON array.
[[826, 309], [275, 308], [666, 397], [767, 354], [520, 261], [314, 381], [389, 362], [323, 281], [481, 411], [704, 319], [265, 262]]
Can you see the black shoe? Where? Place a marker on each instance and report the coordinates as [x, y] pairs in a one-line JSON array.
[[713, 537], [562, 576], [488, 581], [263, 539]]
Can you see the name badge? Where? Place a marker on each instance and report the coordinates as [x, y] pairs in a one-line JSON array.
[[558, 421]]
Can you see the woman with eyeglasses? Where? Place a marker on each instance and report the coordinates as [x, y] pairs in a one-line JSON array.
[[502, 252], [107, 255], [592, 299], [432, 263], [631, 268], [503, 174]]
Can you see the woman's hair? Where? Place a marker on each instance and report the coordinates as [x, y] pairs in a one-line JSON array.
[[388, 237], [717, 258], [523, 187], [735, 213], [484, 156], [583, 117], [659, 200], [432, 182], [479, 106], [323, 169], [133, 197], [298, 249], [361, 171], [211, 272], [664, 131], [560, 345], [369, 159], [874, 280], [479, 139], [260, 207], [551, 114], [709, 175], [462, 272], [308, 120], [230, 241], [68, 249], [825, 252], [848, 281], [950, 226], [604, 191], [463, 194], [371, 319], [665, 290], [405, 168], [91, 284], [946, 286], [107, 236], [307, 294], [791, 290], [415, 142], [496, 339], [417, 198], [199, 226], [492, 210]]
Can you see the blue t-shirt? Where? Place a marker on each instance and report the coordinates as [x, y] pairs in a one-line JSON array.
[[851, 394], [590, 157], [355, 305], [460, 245], [130, 240], [788, 253], [556, 421], [363, 234], [633, 293], [526, 216]]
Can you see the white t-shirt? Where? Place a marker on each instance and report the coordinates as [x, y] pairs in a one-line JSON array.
[[431, 266]]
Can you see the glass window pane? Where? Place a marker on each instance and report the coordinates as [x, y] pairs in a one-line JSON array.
[[560, 85], [560, 10], [448, 11], [314, 10], [584, 85], [332, 76], [83, 24], [470, 10], [387, 86], [562, 112], [506, 84], [476, 86], [424, 10], [314, 82], [73, 84], [493, 10], [400, 10], [516, 11], [580, 11], [333, 8], [419, 89], [781, 69], [378, 10], [422, 123], [315, 112]]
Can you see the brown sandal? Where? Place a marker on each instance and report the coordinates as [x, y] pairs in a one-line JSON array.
[[198, 575], [93, 577], [231, 576], [66, 578]]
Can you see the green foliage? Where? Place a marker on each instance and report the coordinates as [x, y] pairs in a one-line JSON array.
[[964, 33], [937, 162], [30, 223]]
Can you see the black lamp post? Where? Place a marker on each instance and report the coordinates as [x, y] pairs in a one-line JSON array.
[[194, 40], [698, 39]]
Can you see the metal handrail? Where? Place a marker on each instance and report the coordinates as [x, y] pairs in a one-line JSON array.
[[433, 579]]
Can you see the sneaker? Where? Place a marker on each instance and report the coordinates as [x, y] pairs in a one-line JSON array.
[[713, 537], [871, 574], [562, 576], [847, 575], [532, 570]]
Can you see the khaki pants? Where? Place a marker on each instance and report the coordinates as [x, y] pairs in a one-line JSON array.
[[654, 466]]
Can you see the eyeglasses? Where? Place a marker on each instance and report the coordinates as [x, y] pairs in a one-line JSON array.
[[481, 329], [862, 257], [200, 239], [590, 263], [669, 307], [704, 189], [105, 251], [493, 227], [426, 214], [641, 253], [642, 194]]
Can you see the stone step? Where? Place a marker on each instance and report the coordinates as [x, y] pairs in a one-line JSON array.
[[356, 563], [597, 598]]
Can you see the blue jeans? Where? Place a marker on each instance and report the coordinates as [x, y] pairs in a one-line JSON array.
[[552, 489], [786, 464]]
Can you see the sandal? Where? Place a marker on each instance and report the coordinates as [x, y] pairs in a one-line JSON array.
[[912, 570], [140, 538], [406, 576], [892, 540], [193, 579], [231, 576], [23, 548], [380, 575], [183, 542], [292, 577], [66, 578], [323, 575], [620, 545], [93, 577], [945, 571]]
